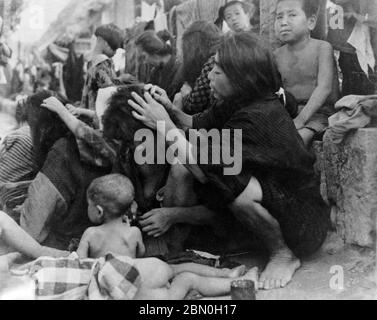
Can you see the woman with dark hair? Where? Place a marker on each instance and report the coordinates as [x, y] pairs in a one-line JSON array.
[[275, 195], [55, 210], [158, 49]]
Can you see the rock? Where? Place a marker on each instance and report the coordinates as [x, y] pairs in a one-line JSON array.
[[333, 244], [350, 173]]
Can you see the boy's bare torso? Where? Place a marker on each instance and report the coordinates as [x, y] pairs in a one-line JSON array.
[[114, 238], [299, 69]]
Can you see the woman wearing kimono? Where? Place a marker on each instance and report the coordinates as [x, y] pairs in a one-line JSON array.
[[276, 195]]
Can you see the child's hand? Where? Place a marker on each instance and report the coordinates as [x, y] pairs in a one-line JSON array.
[[53, 104]]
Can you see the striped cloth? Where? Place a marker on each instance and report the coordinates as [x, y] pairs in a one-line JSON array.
[[108, 278], [17, 157]]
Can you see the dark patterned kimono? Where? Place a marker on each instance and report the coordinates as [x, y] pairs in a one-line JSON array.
[[273, 153]]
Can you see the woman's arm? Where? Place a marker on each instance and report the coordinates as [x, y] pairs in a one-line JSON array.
[[154, 116], [76, 126]]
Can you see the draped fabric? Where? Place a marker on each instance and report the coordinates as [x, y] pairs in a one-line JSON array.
[[73, 75], [272, 152]]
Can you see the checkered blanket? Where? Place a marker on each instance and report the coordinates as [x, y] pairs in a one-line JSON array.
[[109, 278]]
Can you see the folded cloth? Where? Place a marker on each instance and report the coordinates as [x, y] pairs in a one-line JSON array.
[[356, 112], [114, 278], [108, 278]]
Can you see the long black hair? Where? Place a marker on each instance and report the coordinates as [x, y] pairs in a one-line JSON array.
[[199, 43], [46, 127], [157, 43], [248, 62]]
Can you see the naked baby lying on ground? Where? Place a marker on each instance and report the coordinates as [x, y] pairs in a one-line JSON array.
[[115, 250]]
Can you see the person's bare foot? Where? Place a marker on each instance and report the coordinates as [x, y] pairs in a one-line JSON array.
[[236, 272], [279, 271]]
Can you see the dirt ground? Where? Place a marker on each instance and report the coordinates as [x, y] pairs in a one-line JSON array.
[[313, 281]]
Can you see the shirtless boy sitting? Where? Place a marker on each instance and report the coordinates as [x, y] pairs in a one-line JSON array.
[[306, 65]]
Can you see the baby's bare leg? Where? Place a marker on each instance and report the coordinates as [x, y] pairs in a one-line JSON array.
[[206, 286], [206, 271], [146, 293]]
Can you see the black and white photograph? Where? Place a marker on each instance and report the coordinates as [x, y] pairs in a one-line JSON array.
[[202, 151]]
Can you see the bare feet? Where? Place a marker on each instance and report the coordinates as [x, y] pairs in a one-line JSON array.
[[279, 271], [236, 272]]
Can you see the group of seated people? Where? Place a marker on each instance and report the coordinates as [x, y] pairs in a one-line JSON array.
[[88, 184]]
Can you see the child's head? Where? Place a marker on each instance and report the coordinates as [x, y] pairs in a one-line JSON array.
[[109, 38], [110, 197], [295, 19], [245, 69], [237, 15]]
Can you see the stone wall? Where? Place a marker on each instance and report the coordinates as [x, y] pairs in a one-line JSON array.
[[349, 184]]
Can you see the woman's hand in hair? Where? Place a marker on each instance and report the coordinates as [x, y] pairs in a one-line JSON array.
[[149, 111], [53, 104], [160, 95]]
